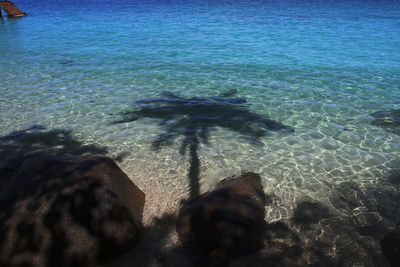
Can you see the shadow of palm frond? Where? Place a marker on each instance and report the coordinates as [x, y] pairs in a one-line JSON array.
[[193, 118]]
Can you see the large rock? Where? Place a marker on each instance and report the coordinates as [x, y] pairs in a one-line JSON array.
[[226, 223], [68, 211], [386, 118], [391, 246]]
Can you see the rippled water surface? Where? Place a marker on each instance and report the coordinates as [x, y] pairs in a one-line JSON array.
[[187, 93]]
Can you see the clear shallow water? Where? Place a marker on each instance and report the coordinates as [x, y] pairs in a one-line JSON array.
[[320, 68]]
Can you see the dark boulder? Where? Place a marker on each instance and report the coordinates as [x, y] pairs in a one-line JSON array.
[[226, 223], [386, 118], [68, 211], [391, 246]]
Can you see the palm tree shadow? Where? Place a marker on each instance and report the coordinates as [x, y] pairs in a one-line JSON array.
[[193, 118]]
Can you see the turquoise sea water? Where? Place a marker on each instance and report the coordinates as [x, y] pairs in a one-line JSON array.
[[317, 67]]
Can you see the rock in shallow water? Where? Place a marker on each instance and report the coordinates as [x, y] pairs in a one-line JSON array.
[[386, 118], [68, 211], [226, 223]]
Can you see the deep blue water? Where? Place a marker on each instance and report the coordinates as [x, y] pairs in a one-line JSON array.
[[318, 67]]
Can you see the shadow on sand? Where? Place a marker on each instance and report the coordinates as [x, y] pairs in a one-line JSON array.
[[315, 235], [193, 118], [347, 231]]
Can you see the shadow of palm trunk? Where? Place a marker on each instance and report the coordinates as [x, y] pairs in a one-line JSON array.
[[193, 118], [194, 171]]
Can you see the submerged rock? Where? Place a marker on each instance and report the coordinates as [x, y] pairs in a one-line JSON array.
[[226, 223], [68, 211], [391, 246], [386, 118]]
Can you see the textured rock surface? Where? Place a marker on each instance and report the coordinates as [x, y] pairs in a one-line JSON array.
[[387, 118], [391, 246], [224, 224], [68, 211]]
